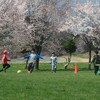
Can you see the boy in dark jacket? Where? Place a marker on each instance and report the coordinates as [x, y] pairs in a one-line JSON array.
[[96, 62]]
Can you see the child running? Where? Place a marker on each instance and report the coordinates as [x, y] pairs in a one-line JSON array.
[[5, 61]]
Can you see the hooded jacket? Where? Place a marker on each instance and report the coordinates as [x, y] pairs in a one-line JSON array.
[[4, 58]]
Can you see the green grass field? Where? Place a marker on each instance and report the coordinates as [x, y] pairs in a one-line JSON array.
[[44, 85]]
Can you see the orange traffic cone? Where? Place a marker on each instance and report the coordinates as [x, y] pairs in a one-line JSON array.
[[76, 69]]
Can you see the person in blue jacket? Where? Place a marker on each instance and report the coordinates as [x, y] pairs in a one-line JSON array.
[[31, 60]]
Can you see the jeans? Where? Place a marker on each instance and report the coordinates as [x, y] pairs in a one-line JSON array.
[[96, 68], [30, 67]]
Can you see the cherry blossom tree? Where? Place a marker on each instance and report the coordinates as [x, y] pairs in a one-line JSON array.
[[84, 20], [42, 20], [5, 26]]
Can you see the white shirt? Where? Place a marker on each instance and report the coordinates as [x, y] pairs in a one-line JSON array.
[[53, 60], [32, 58]]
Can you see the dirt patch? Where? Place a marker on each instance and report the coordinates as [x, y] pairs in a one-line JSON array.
[[62, 59], [74, 59]]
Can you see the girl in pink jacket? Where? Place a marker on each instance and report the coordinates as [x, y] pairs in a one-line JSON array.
[[5, 61]]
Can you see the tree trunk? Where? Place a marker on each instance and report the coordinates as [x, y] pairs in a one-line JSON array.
[[38, 51], [89, 65], [37, 64], [26, 64], [68, 61]]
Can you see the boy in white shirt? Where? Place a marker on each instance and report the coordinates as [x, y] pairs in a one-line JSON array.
[[53, 60]]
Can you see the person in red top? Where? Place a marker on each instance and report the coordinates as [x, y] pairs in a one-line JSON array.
[[5, 61]]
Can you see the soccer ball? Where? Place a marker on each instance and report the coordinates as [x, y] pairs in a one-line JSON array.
[[19, 71]]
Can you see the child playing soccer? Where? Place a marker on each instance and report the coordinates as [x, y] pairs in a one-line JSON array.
[[31, 61], [5, 61]]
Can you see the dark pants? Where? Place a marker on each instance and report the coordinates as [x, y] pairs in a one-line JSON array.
[[30, 67], [96, 68], [5, 66]]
